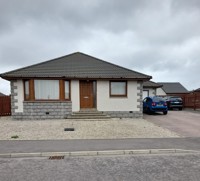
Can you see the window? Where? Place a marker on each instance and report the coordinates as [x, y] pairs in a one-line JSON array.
[[67, 96], [118, 89], [46, 89], [26, 89]]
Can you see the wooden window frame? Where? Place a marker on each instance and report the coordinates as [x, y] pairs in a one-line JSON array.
[[69, 90], [61, 90], [24, 82], [119, 95]]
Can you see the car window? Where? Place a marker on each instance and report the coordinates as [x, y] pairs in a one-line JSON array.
[[158, 99], [175, 98], [148, 99]]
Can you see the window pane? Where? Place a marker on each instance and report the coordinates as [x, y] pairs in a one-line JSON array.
[[66, 89], [46, 89], [118, 88], [26, 89]]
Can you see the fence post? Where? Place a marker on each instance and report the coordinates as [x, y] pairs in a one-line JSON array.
[[195, 98]]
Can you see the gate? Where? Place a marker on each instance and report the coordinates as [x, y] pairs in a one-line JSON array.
[[5, 105]]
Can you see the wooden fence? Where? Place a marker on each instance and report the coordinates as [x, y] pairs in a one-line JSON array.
[[5, 106], [192, 100]]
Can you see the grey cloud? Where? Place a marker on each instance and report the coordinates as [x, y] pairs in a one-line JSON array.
[[154, 37]]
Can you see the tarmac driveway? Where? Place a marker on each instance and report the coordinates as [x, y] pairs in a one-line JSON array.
[[184, 123]]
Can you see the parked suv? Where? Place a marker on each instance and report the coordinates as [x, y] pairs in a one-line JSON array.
[[174, 102]]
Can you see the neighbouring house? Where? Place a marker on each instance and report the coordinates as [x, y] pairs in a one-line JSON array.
[[197, 90], [150, 88], [1, 94], [172, 89], [61, 86]]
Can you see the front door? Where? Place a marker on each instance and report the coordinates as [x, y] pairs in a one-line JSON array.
[[87, 94]]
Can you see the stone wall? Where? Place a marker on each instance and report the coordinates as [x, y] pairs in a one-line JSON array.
[[44, 110], [139, 95], [124, 114], [13, 97]]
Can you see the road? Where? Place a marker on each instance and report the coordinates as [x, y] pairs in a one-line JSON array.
[[118, 168], [185, 123]]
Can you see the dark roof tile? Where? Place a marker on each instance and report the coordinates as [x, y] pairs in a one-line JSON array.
[[151, 84], [1, 94], [173, 87]]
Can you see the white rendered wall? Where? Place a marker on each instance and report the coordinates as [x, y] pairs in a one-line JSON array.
[[160, 92], [152, 92], [20, 95], [107, 103], [75, 95], [145, 93]]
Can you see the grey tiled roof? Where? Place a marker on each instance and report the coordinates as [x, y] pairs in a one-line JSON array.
[[151, 84], [1, 94], [75, 66], [197, 90], [173, 87]]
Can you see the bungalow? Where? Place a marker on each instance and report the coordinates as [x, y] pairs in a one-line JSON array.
[[56, 88], [150, 88], [197, 90], [172, 89]]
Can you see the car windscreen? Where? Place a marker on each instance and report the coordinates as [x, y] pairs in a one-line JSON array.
[[175, 98], [158, 99]]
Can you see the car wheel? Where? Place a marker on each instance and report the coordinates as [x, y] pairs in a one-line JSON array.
[[164, 112]]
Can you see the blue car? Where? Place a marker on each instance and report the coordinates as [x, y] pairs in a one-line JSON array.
[[154, 104]]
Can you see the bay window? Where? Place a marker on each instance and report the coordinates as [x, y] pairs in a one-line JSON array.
[[46, 90]]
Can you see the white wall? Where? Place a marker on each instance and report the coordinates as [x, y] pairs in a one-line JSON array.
[[107, 103], [152, 92], [75, 95], [160, 92], [145, 93], [19, 96]]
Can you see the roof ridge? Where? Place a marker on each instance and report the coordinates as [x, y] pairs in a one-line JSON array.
[[169, 83]]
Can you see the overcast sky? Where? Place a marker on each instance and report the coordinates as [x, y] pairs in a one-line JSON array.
[[160, 38]]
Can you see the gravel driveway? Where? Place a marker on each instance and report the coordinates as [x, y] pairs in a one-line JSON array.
[[184, 123], [85, 129]]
